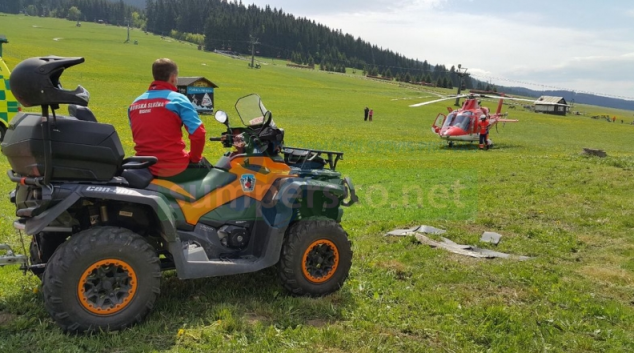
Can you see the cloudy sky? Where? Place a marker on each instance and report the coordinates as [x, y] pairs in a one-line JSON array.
[[585, 46]]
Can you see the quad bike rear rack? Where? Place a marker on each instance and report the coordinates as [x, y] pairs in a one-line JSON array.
[[306, 155]]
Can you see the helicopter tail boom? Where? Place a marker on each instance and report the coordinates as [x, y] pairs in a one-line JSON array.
[[499, 110]]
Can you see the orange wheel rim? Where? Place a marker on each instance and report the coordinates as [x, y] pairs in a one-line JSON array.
[[107, 287], [320, 261]]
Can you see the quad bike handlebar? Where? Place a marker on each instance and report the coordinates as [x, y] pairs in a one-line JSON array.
[[236, 137], [225, 141]]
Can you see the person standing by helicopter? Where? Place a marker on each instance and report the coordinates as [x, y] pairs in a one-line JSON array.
[[484, 132]]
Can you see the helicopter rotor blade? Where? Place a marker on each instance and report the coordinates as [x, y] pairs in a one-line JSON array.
[[519, 99], [436, 101]]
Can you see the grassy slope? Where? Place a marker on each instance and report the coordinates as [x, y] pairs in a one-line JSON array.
[[573, 214]]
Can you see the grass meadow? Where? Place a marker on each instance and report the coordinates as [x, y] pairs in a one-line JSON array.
[[572, 214]]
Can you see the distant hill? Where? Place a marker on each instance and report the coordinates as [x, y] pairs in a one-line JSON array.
[[229, 25], [136, 3], [572, 97]]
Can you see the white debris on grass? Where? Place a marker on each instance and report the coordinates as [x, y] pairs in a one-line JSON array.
[[491, 237], [414, 230], [467, 250]]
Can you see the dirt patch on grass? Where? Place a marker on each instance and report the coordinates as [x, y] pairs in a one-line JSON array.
[[609, 282], [324, 349], [608, 275], [398, 269], [605, 243], [427, 337], [6, 318], [591, 240], [469, 261], [478, 295], [254, 319], [317, 323]]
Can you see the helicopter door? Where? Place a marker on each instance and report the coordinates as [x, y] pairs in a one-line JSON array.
[[440, 119], [475, 121]]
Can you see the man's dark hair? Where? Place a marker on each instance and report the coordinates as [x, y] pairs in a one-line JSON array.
[[163, 68]]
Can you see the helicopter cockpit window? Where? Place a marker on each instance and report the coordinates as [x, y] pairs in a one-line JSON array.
[[463, 121], [450, 119]]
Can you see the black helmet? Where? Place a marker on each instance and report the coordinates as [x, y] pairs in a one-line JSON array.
[[35, 81]]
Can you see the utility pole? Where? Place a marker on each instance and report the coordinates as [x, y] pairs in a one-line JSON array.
[[253, 42], [128, 40], [462, 72], [3, 40]]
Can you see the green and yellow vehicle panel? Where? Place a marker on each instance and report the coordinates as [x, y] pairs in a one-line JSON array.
[[8, 105]]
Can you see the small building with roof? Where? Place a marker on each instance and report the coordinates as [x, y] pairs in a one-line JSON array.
[[200, 92], [551, 105]]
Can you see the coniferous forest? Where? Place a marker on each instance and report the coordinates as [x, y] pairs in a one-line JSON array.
[[231, 26]]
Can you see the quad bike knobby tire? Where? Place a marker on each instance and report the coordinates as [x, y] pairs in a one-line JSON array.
[[103, 278], [316, 258], [3, 130]]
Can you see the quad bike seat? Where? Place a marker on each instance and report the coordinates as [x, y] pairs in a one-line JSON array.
[[194, 186], [214, 179], [81, 113], [138, 178]]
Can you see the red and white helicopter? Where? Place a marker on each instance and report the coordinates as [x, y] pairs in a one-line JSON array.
[[461, 125]]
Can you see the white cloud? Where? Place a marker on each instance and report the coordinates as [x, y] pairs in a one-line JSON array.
[[525, 45], [516, 50]]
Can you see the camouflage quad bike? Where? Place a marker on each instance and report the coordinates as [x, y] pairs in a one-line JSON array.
[[103, 228]]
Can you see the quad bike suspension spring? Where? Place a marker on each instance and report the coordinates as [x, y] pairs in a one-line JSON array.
[[104, 214]]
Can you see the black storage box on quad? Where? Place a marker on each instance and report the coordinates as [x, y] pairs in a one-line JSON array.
[[81, 150]]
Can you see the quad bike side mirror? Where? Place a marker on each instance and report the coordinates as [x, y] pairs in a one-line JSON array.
[[222, 117]]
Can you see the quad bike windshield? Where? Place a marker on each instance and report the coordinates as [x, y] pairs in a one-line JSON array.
[[258, 133], [252, 111]]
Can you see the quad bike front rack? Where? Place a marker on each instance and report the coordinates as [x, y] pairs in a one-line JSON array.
[[300, 156]]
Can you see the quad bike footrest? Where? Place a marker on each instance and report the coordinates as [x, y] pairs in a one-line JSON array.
[[10, 258]]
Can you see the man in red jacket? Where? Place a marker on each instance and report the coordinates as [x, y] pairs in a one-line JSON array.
[[157, 117], [484, 132]]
